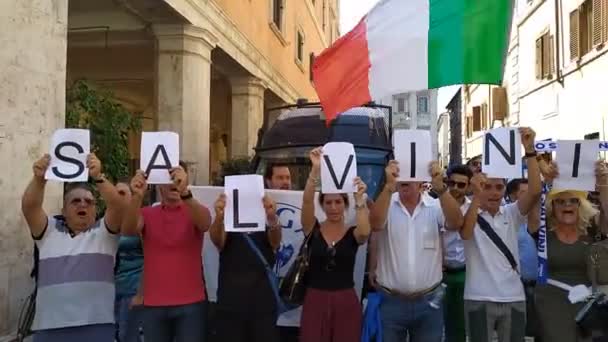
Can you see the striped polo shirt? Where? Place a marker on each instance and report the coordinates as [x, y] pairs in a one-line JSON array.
[[76, 276]]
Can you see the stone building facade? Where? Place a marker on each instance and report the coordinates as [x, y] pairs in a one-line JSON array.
[[206, 69]]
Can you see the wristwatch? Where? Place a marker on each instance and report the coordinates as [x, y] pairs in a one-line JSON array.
[[531, 154], [100, 179], [187, 196], [441, 191]]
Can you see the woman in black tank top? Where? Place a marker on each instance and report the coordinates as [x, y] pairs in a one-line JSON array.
[[332, 311]]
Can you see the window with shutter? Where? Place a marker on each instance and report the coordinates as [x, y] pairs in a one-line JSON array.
[[310, 65], [574, 35], [597, 28], [551, 44], [539, 58], [585, 27], [605, 20], [546, 60], [476, 119]]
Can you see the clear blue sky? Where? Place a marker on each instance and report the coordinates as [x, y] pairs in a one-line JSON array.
[[353, 10]]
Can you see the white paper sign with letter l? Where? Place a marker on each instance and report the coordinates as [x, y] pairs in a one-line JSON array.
[[159, 154], [576, 164], [338, 168], [413, 152], [501, 156], [69, 151], [244, 210]]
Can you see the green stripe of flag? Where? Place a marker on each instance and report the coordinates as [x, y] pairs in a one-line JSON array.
[[468, 41]]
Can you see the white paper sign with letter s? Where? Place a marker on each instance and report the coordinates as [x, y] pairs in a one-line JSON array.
[[159, 154], [501, 156], [244, 208], [413, 152], [338, 168], [576, 164], [69, 151]]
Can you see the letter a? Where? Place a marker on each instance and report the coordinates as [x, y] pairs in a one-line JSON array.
[[152, 164]]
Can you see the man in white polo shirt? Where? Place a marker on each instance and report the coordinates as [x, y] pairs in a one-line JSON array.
[[409, 255], [494, 294]]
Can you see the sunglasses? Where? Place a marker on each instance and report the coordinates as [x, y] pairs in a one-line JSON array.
[[455, 184], [331, 252], [562, 202], [87, 201], [497, 187], [476, 163]]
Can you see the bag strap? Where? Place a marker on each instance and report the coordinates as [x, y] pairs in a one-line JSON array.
[[486, 228], [269, 272]]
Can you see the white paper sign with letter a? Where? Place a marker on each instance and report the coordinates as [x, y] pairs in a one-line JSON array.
[[576, 164], [413, 152], [338, 168], [244, 209], [159, 154], [502, 153], [69, 151]]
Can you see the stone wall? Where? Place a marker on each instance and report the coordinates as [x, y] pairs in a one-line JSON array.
[[32, 104]]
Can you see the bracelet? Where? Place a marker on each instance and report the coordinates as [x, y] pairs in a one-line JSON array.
[[186, 196], [315, 181], [531, 154], [443, 190], [361, 206]]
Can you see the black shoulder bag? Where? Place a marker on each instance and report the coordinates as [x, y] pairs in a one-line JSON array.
[[292, 287]]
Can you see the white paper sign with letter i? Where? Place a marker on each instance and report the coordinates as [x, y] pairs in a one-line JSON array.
[[69, 151], [414, 154], [244, 210], [159, 154], [501, 156], [576, 164], [338, 168]]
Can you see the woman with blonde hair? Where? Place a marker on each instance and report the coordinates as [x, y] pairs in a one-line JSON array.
[[572, 225]]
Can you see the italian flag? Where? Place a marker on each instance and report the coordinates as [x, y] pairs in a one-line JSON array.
[[409, 45]]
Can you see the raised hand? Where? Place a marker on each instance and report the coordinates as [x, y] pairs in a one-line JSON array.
[[360, 194], [477, 183], [436, 173], [391, 172], [139, 185], [270, 207], [548, 170], [40, 166], [527, 139], [601, 173], [315, 157], [180, 179], [219, 206], [94, 166]]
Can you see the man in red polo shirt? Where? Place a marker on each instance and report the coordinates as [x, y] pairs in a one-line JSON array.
[[172, 238]]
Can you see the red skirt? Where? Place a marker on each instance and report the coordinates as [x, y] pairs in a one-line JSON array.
[[331, 316]]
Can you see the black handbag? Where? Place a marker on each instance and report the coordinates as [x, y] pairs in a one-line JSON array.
[[292, 287], [594, 315]]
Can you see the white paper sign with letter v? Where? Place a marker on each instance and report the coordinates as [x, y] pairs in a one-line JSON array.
[[501, 156], [244, 210], [413, 152], [576, 164], [159, 154], [69, 151], [338, 168]]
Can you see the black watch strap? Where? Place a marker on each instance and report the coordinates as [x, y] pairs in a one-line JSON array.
[[531, 154], [187, 196]]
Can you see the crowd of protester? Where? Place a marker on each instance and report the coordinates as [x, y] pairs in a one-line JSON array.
[[456, 262]]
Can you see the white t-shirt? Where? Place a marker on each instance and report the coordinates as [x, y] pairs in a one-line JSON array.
[[489, 275], [410, 248], [453, 244]]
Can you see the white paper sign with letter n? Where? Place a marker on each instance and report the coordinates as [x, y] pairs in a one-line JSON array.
[[413, 152], [69, 151], [338, 168], [576, 164], [159, 154], [244, 210], [502, 153]]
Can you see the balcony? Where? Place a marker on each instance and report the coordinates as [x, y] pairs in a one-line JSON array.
[[423, 121]]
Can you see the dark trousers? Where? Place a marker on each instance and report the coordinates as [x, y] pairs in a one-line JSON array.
[[532, 324], [454, 306], [180, 323], [289, 334], [246, 327]]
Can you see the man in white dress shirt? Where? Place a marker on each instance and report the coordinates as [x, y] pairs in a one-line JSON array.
[[409, 255]]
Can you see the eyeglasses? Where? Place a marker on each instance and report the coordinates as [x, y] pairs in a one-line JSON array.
[[562, 202], [87, 201], [331, 252], [455, 184], [497, 187]]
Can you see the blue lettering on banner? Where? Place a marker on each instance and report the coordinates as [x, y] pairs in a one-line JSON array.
[[543, 272], [550, 146], [289, 216]]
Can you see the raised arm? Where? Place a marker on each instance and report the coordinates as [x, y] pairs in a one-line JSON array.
[[363, 229], [379, 211], [33, 197], [114, 212], [532, 196], [534, 218], [217, 232], [198, 213], [132, 221], [449, 205], [470, 218], [274, 226], [601, 179], [308, 218]]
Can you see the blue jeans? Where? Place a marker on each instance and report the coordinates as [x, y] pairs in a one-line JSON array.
[[128, 321], [414, 318], [180, 323]]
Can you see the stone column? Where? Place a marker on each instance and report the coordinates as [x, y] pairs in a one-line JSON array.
[[247, 114], [183, 92]]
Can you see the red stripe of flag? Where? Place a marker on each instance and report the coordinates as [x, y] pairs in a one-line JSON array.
[[341, 73]]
